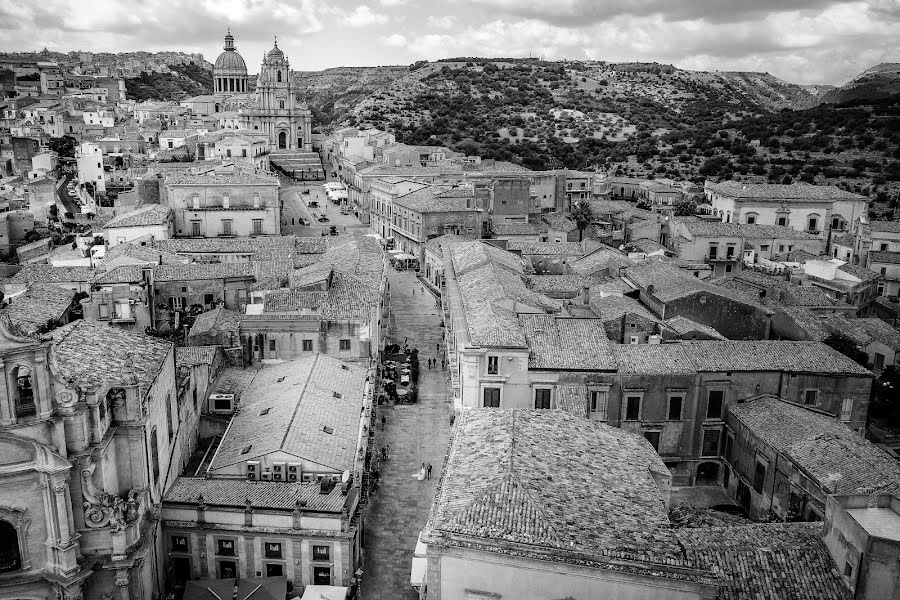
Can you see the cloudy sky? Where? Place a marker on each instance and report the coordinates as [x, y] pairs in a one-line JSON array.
[[804, 41]]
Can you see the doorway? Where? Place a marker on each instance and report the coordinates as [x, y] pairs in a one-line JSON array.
[[321, 575], [282, 140], [181, 567]]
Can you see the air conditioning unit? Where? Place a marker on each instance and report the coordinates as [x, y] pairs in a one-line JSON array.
[[278, 467], [252, 469], [221, 403], [293, 471], [267, 476]]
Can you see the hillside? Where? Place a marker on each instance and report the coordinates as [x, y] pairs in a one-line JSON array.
[[879, 82], [183, 82], [642, 119], [332, 93]]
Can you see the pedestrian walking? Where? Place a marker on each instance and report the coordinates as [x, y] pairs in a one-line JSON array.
[[452, 419], [414, 292], [443, 364], [428, 471], [383, 454], [437, 347], [387, 451], [383, 421]]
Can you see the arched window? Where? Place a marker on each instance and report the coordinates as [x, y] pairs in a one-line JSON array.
[[279, 77], [10, 558], [728, 217], [25, 406], [217, 107]]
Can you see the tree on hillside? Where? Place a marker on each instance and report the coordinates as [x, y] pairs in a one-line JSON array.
[[64, 146], [685, 208], [848, 348], [583, 216]]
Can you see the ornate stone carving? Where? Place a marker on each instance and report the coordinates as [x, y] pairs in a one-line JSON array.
[[66, 398], [102, 509]]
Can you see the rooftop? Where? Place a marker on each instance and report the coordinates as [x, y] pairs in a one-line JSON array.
[[516, 229], [215, 320], [746, 231], [213, 178], [152, 214], [189, 356], [540, 482], [775, 561], [885, 226], [683, 325], [551, 338], [47, 274], [891, 258], [260, 494], [603, 258], [546, 248], [304, 397], [559, 222], [779, 192], [92, 354], [431, 199], [41, 303], [840, 460]]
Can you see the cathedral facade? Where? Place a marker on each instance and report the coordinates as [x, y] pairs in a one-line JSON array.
[[274, 109]]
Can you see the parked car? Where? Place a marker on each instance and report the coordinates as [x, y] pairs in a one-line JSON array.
[[332, 230]]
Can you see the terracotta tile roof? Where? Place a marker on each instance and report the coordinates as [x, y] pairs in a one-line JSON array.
[[350, 297], [431, 199], [195, 355], [653, 359], [745, 231], [683, 325], [780, 192], [778, 291], [261, 494], [42, 302], [572, 399], [611, 308], [243, 245], [770, 355], [152, 214], [489, 295], [558, 221], [141, 253], [840, 460], [604, 257], [546, 248], [436, 244], [91, 354], [289, 300], [863, 331], [891, 258], [775, 561], [48, 274], [560, 284], [516, 229], [808, 321], [567, 343], [548, 480], [468, 255], [216, 320], [848, 239], [213, 178], [671, 283], [885, 226], [300, 396], [200, 271]]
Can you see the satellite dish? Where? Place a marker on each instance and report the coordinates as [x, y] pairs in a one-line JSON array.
[[345, 477]]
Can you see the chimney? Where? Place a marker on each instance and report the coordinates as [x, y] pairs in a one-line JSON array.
[[586, 295]]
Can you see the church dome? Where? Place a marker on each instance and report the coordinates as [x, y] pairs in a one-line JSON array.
[[275, 52], [230, 60]]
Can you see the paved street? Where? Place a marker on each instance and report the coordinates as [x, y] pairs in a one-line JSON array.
[[417, 433], [295, 204]]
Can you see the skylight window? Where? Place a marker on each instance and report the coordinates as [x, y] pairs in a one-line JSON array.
[[246, 449], [265, 411], [328, 430], [338, 395]]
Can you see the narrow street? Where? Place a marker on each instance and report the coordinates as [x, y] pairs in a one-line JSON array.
[[295, 204], [417, 433]]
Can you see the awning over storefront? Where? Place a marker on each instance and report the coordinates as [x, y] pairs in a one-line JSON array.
[[297, 164]]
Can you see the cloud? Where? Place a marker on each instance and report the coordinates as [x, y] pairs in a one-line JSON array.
[[363, 16], [445, 22], [390, 3], [396, 40], [585, 12]]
